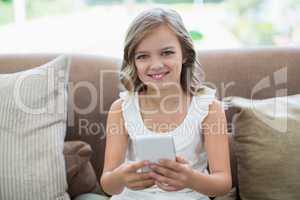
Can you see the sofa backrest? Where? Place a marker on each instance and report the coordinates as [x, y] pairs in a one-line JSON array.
[[94, 85]]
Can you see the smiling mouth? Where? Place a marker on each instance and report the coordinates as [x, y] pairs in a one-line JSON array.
[[158, 76]]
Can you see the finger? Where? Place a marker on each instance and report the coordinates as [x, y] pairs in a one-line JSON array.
[[173, 165], [164, 171], [164, 179], [181, 160], [139, 185], [133, 167], [165, 187], [138, 176]]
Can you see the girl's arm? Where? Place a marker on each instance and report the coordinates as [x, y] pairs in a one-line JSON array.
[[117, 174], [115, 149], [218, 182]]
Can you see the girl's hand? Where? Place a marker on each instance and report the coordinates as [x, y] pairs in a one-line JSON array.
[[171, 175], [133, 179]]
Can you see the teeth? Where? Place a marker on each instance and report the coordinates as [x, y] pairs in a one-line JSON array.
[[158, 76]]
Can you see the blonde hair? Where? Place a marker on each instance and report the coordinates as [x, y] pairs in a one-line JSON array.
[[191, 74]]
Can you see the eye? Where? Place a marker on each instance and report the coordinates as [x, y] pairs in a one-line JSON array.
[[168, 52], [140, 57]]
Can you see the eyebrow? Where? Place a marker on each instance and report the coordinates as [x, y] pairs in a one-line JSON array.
[[163, 49], [168, 47]]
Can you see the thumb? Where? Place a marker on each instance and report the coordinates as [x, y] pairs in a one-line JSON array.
[[181, 160], [137, 165]]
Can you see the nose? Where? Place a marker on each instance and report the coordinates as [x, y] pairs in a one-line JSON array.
[[156, 63]]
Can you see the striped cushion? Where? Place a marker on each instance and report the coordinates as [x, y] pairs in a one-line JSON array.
[[32, 131]]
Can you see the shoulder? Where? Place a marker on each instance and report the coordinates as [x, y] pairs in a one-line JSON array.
[[215, 113], [215, 107], [115, 115], [115, 111], [115, 120], [124, 96], [116, 105]]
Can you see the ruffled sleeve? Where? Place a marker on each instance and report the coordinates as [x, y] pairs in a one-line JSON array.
[[202, 101], [127, 98], [124, 95]]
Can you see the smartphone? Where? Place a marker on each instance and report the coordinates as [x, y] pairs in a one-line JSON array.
[[153, 148]]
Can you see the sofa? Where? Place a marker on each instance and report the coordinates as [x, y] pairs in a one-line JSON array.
[[94, 85]]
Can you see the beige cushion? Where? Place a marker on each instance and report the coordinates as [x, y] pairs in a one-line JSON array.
[[267, 147], [32, 130]]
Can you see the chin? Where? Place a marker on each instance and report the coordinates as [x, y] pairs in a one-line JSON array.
[[160, 86]]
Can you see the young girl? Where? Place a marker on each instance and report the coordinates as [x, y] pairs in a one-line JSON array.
[[164, 95]]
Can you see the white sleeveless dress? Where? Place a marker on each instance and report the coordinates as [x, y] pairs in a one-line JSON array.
[[187, 138]]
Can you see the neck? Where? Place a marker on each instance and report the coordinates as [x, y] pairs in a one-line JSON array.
[[168, 98]]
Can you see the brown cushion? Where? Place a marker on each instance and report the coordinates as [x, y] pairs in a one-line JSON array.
[[81, 177], [267, 147]]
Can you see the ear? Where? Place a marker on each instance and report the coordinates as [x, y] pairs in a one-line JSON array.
[[184, 60]]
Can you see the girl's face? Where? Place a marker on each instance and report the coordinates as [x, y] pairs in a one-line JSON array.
[[158, 59]]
